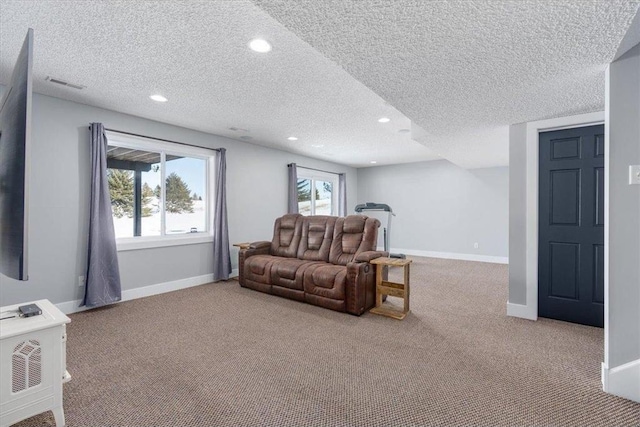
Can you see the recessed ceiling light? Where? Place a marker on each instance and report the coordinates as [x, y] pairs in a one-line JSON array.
[[404, 130], [158, 98], [384, 119], [317, 145], [373, 162], [260, 45], [292, 138]]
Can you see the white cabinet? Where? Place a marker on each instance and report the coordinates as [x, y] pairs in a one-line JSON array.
[[32, 363]]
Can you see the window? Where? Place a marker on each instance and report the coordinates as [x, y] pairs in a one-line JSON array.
[[317, 193], [158, 189]]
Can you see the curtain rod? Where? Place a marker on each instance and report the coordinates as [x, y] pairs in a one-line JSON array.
[[159, 139], [314, 169]]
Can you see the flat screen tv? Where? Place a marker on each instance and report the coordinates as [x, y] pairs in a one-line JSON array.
[[15, 135]]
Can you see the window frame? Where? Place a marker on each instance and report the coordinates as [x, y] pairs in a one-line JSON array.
[[168, 148], [313, 175]]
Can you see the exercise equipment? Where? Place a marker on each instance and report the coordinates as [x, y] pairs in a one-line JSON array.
[[386, 224]]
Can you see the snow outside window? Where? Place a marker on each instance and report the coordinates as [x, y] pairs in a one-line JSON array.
[[160, 191], [317, 193]]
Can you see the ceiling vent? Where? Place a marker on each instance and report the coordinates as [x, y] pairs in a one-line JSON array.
[[63, 83]]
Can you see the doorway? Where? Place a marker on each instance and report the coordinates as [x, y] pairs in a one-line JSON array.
[[571, 225]]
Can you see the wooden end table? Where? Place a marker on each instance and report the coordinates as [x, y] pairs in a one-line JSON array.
[[384, 287]]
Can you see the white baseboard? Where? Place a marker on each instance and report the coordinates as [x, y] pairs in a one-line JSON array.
[[623, 380], [162, 288], [69, 307], [452, 255], [521, 310]]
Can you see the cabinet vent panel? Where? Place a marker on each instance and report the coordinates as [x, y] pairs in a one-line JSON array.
[[26, 366]]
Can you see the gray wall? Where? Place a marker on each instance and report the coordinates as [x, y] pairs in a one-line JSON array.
[[623, 112], [256, 188], [517, 214], [441, 207]]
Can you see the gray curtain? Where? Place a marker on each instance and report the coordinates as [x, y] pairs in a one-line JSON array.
[[293, 188], [103, 275], [342, 194], [221, 255]]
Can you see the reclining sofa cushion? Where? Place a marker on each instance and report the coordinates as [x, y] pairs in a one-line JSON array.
[[287, 272], [316, 239], [286, 236], [326, 284], [255, 271], [353, 235]]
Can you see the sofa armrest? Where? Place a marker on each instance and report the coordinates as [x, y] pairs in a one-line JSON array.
[[360, 289], [243, 254], [260, 245], [369, 255]]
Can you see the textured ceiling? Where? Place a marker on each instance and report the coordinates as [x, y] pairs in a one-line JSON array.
[[464, 70], [632, 37], [195, 54], [458, 71]]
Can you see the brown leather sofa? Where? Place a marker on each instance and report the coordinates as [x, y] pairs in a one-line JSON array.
[[322, 260]]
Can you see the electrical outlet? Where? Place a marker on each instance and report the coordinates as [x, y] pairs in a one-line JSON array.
[[476, 245], [81, 281], [634, 174]]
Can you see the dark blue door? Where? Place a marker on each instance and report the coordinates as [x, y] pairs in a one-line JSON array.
[[571, 225]]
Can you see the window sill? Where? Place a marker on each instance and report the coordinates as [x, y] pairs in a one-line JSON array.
[[136, 243]]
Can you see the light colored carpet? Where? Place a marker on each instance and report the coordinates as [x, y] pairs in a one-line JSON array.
[[221, 355]]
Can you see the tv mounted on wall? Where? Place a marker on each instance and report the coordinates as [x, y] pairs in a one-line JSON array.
[[15, 135]]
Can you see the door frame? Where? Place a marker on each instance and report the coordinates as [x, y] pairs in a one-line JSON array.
[[588, 231], [530, 310]]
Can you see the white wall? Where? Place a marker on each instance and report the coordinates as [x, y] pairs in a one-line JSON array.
[[256, 189], [621, 368], [442, 209]]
